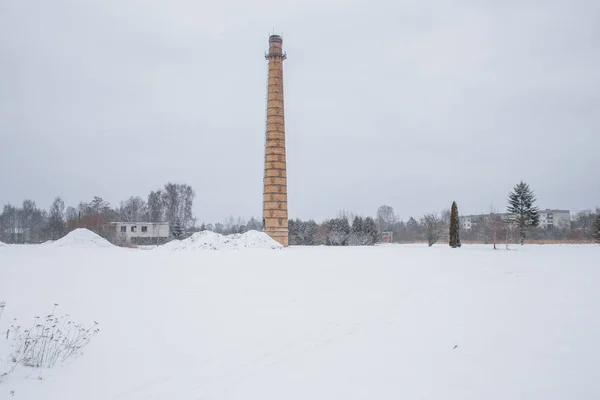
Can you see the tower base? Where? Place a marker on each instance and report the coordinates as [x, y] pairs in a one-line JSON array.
[[280, 236]]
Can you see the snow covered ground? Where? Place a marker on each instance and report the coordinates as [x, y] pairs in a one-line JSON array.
[[384, 322]]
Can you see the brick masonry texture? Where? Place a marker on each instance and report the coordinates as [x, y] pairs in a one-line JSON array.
[[275, 208]]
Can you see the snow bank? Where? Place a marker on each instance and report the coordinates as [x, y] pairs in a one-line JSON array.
[[2, 244], [207, 240], [82, 237]]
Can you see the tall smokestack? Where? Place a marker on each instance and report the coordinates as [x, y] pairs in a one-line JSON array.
[[275, 210]]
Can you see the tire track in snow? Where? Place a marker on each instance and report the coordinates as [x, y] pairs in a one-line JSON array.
[[297, 348], [217, 381]]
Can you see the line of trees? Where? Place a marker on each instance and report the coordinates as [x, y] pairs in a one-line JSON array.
[[174, 204], [30, 224]]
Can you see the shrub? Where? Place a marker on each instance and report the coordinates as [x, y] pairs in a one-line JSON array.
[[47, 341]]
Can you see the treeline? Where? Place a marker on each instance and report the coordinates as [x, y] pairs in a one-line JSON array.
[[29, 224], [230, 226], [334, 232], [173, 203]]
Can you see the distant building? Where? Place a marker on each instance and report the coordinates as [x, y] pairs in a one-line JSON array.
[[467, 222], [387, 237], [141, 232], [548, 219], [555, 219]]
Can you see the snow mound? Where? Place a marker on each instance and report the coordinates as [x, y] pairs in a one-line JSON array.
[[82, 237], [255, 239], [207, 240], [2, 244]]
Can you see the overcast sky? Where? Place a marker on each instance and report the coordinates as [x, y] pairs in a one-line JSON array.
[[408, 103]]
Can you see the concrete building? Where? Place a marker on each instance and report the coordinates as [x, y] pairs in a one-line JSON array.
[[548, 219], [555, 219], [275, 209], [141, 232], [467, 222]]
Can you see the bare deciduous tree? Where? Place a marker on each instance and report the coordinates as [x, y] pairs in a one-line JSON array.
[[433, 227], [56, 218], [386, 218], [134, 209], [178, 200]]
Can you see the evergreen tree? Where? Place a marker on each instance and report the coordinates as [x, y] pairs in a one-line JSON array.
[[177, 229], [521, 209], [370, 231], [340, 229], [309, 232], [357, 234], [293, 232], [454, 226]]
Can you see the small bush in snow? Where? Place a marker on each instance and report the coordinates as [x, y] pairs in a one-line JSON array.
[[433, 227], [48, 340]]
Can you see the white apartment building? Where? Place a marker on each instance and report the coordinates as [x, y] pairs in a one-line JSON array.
[[548, 219], [555, 219], [468, 221], [141, 231]]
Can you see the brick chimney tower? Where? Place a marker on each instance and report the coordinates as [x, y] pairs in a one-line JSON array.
[[275, 210]]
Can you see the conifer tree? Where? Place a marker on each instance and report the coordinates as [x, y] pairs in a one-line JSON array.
[[177, 229], [340, 229], [293, 233], [522, 212], [357, 234], [370, 231], [454, 226]]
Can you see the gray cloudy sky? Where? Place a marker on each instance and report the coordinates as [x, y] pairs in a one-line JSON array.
[[412, 104]]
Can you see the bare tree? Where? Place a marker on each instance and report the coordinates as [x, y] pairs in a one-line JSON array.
[[347, 214], [156, 207], [433, 227], [56, 218], [596, 226], [134, 209], [178, 200], [385, 218], [583, 222], [445, 221]]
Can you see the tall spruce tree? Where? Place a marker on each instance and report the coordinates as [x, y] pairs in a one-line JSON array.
[[522, 212], [454, 227], [177, 229]]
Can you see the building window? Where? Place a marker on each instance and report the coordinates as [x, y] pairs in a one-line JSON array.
[[144, 229], [123, 229], [133, 228]]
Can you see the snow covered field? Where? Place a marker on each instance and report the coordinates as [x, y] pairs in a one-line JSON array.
[[384, 322]]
